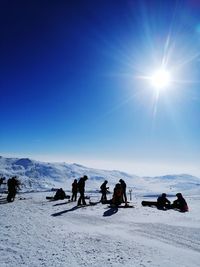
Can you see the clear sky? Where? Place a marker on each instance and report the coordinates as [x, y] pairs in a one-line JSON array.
[[75, 86]]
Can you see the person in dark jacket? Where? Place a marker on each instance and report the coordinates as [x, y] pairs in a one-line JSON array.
[[81, 189], [74, 190], [13, 185], [104, 191], [180, 203], [163, 202], [117, 195], [60, 194], [123, 185]]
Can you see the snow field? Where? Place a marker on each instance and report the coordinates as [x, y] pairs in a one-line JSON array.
[[37, 232]]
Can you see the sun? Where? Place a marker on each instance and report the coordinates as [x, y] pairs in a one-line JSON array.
[[160, 79]]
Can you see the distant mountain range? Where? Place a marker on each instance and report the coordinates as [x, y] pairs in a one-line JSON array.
[[36, 175]]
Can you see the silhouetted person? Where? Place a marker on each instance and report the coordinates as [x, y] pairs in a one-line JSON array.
[[81, 189], [74, 190], [104, 191], [117, 195], [60, 194], [180, 203], [163, 202], [13, 184], [123, 184]]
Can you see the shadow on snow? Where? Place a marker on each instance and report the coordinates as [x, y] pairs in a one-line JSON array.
[[110, 211], [64, 203], [65, 211], [3, 201]]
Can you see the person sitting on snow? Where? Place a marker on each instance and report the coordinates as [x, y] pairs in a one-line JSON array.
[[180, 203], [163, 202], [60, 194], [117, 195]]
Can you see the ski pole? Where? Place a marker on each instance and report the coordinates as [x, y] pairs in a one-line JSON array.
[[130, 192]]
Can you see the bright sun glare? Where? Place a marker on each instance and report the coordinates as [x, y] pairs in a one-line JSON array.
[[160, 79]]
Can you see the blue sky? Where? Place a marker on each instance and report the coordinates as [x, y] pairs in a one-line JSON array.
[[71, 86]]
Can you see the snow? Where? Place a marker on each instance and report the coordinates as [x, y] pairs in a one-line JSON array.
[[38, 232]]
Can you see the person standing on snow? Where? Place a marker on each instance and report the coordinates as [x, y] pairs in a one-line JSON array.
[[123, 185], [81, 189], [104, 191], [13, 185], [74, 190]]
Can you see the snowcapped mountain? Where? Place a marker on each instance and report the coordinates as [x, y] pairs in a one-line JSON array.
[[41, 175], [36, 175]]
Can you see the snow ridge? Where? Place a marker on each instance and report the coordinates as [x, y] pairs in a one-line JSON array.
[[37, 175]]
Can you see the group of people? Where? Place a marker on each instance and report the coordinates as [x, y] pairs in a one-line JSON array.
[[180, 203], [119, 193], [77, 186], [118, 197]]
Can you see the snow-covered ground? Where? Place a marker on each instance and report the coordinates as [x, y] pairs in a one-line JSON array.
[[37, 232]]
